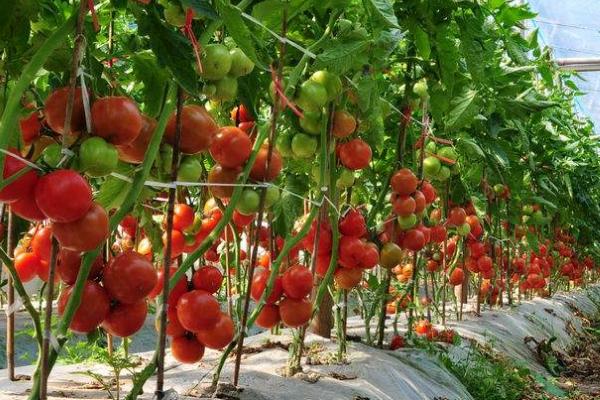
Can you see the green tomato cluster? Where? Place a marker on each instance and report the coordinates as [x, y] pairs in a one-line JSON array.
[[433, 167], [220, 68], [249, 203]]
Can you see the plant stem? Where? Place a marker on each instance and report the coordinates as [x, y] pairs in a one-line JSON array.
[[45, 370], [162, 332]]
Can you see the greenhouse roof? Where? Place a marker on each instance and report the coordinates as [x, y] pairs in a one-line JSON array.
[[572, 29]]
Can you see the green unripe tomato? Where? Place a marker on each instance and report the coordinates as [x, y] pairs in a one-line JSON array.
[[284, 144], [331, 82], [464, 229], [249, 202], [272, 196], [498, 188], [52, 155], [431, 166], [420, 89], [190, 169], [448, 152], [216, 62], [226, 89], [174, 15], [538, 217], [311, 123], [345, 179], [312, 96], [431, 147], [97, 157], [240, 63], [407, 222], [527, 209], [444, 174], [209, 89], [303, 145]]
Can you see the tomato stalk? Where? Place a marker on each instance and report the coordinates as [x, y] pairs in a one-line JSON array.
[[162, 332], [43, 360]]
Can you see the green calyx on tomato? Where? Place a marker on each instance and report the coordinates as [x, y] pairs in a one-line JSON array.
[[190, 169], [240, 63], [97, 157], [249, 202], [312, 96], [303, 145], [216, 62]]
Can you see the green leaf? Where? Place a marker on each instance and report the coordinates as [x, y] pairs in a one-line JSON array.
[[270, 12], [422, 42], [383, 12], [237, 28], [494, 4], [172, 50], [153, 77], [545, 202], [463, 109], [339, 57], [201, 8], [511, 15]]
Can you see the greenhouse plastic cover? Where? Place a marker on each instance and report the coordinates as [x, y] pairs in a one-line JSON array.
[[572, 29]]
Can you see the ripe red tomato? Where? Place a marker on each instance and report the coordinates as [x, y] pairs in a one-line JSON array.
[[27, 266], [325, 238], [403, 205], [420, 201], [259, 283], [183, 216], [259, 169], [219, 335], [55, 110], [124, 320], [198, 129], [63, 195], [370, 257], [27, 208], [177, 242], [397, 342], [231, 147], [344, 124], [355, 154], [347, 278], [485, 263], [423, 327], [175, 292], [30, 127], [208, 278], [198, 310], [187, 349], [41, 243], [456, 277], [174, 328], [414, 240], [432, 266], [21, 186], [43, 272], [129, 277], [429, 192], [241, 114], [322, 265], [353, 224], [457, 216], [220, 174], [295, 313], [297, 282], [135, 151], [350, 252], [86, 233], [68, 265], [268, 316], [129, 225], [404, 182], [116, 119], [240, 220], [94, 307], [438, 233]]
